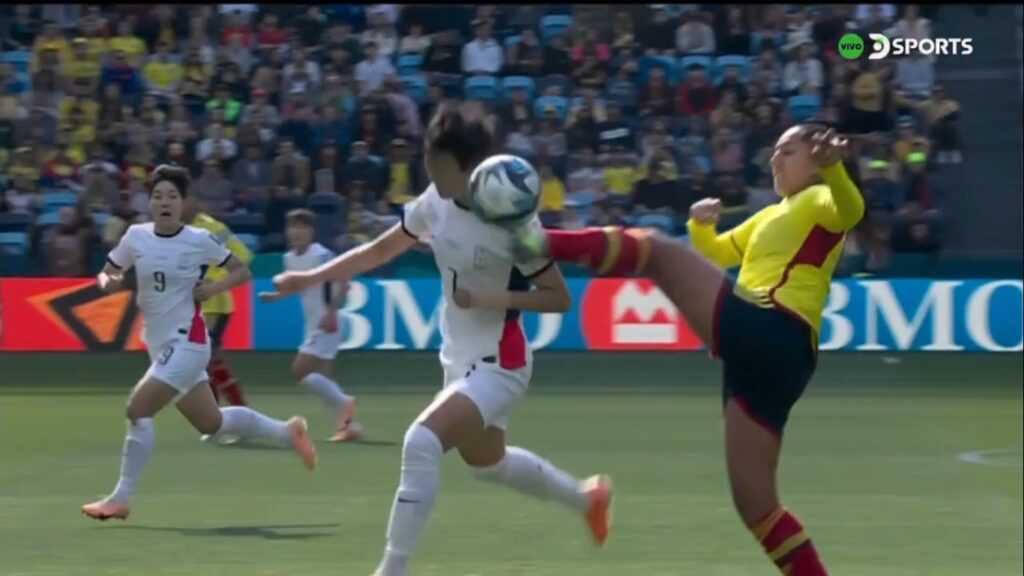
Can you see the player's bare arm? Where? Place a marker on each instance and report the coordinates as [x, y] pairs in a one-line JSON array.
[[356, 261], [550, 295], [110, 279], [238, 274]]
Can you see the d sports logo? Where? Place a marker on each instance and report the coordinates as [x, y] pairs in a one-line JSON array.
[[851, 46]]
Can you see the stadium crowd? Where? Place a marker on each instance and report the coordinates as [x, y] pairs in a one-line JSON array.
[[630, 113]]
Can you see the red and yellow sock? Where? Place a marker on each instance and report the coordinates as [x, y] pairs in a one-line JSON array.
[[610, 251], [787, 544], [225, 385]]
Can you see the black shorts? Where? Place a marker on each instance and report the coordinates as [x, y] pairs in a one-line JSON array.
[[218, 328], [768, 357]]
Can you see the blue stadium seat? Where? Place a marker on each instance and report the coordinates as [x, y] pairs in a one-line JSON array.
[[251, 241], [14, 243], [661, 222], [55, 200], [481, 88], [525, 82], [416, 87], [560, 103], [553, 25], [451, 84], [723, 62], [15, 222], [695, 60], [48, 219], [512, 41], [21, 61], [560, 80], [409, 64], [803, 106], [241, 223], [666, 63]]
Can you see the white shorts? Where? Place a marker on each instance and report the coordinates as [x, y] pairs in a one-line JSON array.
[[494, 390], [179, 364], [323, 345]]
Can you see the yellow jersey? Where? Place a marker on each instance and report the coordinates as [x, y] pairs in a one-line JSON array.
[[222, 303], [552, 195], [788, 251]]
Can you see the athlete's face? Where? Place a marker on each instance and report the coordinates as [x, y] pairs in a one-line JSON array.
[[792, 166], [444, 171], [166, 204], [298, 235]]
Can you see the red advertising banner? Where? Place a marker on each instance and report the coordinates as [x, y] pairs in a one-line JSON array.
[[72, 314], [633, 314]]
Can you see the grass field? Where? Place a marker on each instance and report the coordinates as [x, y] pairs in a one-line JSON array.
[[875, 464]]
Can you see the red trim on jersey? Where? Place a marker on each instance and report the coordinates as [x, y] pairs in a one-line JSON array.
[[197, 331], [512, 347]]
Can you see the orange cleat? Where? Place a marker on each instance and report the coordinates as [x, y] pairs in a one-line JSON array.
[[106, 509], [301, 443], [598, 490]]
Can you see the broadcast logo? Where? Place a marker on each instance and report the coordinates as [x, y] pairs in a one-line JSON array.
[[851, 46]]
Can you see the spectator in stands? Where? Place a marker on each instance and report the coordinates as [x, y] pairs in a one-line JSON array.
[[696, 94], [331, 127], [403, 109], [658, 35], [516, 109], [237, 26], [656, 95], [725, 111], [484, 55], [881, 195], [22, 32], [81, 69], [615, 131], [623, 31], [525, 57], [657, 138], [871, 102], [50, 48], [66, 245], [250, 175], [915, 75], [920, 218], [161, 75], [621, 174], [381, 32], [733, 37], [591, 45], [799, 29], [122, 215], [552, 189], [550, 140], [691, 159], [365, 168], [622, 89], [941, 115], [658, 190], [694, 35], [262, 113], [583, 130], [215, 145], [403, 184], [121, 72], [301, 64], [558, 54], [913, 25], [520, 141], [732, 83], [804, 73], [340, 36], [875, 18], [727, 151], [213, 190], [223, 100], [444, 55], [586, 182], [591, 74], [415, 42], [60, 171], [126, 41], [371, 73], [290, 170], [908, 140], [328, 174], [297, 128], [271, 35]]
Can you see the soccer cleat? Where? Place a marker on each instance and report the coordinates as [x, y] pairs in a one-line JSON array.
[[106, 509], [354, 431], [529, 242], [220, 439], [299, 431], [598, 490]]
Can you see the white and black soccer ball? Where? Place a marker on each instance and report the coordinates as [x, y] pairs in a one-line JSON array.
[[505, 190]]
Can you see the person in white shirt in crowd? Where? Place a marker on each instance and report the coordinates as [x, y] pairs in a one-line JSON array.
[[486, 359], [381, 32], [915, 75], [216, 145], [170, 261], [913, 25], [695, 36], [373, 71], [484, 55], [300, 63], [804, 73]]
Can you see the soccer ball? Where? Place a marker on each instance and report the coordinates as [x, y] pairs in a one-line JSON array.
[[504, 190]]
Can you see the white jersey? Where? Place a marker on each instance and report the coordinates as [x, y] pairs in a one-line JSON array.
[[314, 299], [474, 255], [167, 269]]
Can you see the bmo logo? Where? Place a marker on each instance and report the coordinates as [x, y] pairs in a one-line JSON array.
[[633, 314]]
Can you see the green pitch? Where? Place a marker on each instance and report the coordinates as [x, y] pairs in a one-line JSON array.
[[898, 466]]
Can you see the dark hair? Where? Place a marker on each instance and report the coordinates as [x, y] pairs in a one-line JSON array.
[[463, 131], [301, 217], [176, 175]]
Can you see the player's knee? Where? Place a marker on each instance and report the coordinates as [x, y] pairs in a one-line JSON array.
[[752, 496], [299, 371], [135, 411], [210, 424], [492, 473], [421, 445]]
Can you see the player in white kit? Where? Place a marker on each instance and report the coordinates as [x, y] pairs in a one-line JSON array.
[[170, 260], [314, 362], [486, 359]]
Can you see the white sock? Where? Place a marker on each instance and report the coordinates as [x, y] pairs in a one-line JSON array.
[[138, 445], [328, 390], [248, 423], [417, 490], [532, 475]]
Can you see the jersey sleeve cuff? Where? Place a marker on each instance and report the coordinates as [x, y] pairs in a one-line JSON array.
[[114, 264], [225, 261], [540, 270], [407, 231]]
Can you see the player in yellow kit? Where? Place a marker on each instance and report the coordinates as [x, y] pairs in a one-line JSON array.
[[218, 310], [764, 327]]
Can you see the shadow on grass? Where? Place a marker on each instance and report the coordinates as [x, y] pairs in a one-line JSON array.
[[271, 532]]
